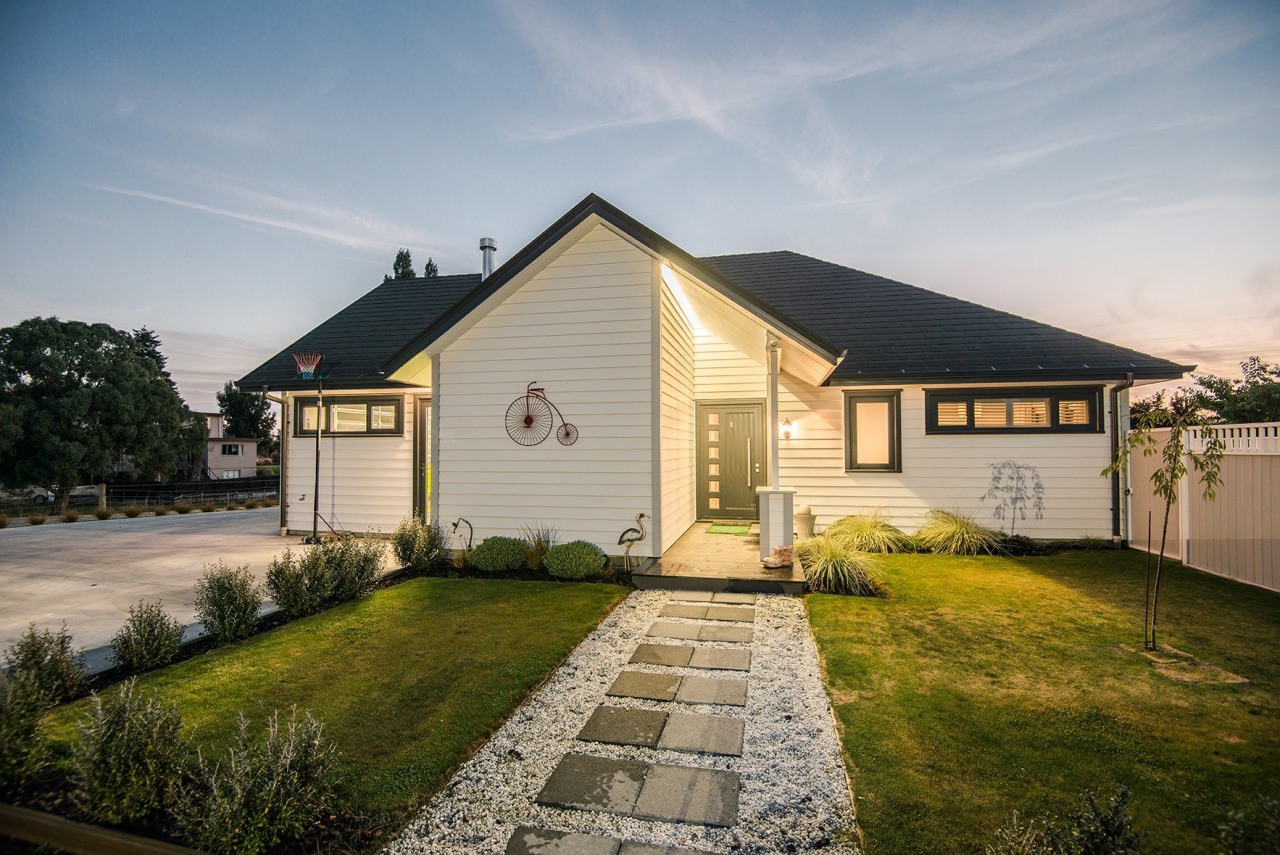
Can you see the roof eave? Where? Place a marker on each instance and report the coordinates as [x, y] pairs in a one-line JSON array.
[[1082, 375]]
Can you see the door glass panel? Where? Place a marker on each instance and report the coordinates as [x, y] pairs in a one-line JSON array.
[[872, 438], [713, 418], [713, 503], [713, 436], [713, 469], [713, 486]]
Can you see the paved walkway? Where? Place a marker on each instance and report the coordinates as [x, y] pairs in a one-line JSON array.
[[89, 572], [688, 722]]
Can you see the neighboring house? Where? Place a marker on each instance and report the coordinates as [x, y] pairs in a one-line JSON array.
[[228, 456], [700, 388]]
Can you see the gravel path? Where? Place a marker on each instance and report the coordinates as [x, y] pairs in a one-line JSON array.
[[794, 794]]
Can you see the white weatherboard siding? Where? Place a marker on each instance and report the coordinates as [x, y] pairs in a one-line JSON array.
[[724, 372], [949, 472], [365, 481], [678, 451], [582, 327]]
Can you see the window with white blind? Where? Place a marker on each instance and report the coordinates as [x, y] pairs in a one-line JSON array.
[[1044, 410]]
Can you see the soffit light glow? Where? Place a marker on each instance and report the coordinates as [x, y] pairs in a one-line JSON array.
[[673, 282]]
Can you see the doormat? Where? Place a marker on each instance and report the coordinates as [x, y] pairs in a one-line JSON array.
[[740, 530]]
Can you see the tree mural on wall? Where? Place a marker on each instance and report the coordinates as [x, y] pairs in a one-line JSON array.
[[1015, 488]]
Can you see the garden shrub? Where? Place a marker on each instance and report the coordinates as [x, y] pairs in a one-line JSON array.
[[43, 667], [576, 559], [103, 513], [70, 517], [182, 508], [252, 504], [419, 545], [955, 533], [24, 749], [298, 584], [227, 601], [161, 510], [537, 541], [354, 564], [4, 521], [832, 568], [497, 554], [264, 792], [130, 757], [271, 501], [209, 507], [1254, 830], [1093, 541], [868, 533], [132, 511], [150, 638], [1088, 830], [36, 519], [233, 505]]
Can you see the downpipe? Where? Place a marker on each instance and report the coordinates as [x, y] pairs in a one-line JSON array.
[[1117, 493]]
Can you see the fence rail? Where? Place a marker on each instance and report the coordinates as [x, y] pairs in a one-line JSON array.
[[1261, 438], [1238, 534]]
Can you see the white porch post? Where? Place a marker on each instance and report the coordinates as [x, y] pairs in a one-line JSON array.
[[776, 502]]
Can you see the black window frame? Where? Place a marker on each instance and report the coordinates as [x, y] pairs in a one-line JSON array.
[[370, 401], [893, 397], [235, 449], [1056, 395]]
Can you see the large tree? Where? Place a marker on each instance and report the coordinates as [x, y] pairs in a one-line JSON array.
[[248, 414], [81, 399], [429, 269], [402, 267], [1255, 398]]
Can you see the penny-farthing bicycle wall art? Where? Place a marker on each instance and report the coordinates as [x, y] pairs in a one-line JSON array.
[[531, 417]]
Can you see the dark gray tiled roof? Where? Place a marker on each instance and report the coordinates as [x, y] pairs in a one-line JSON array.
[[894, 332], [360, 338]]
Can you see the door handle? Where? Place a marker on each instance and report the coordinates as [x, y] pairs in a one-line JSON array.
[[750, 463]]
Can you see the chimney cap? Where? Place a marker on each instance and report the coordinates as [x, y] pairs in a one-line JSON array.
[[488, 243]]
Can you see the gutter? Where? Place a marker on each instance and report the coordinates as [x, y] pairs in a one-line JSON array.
[[1117, 495]]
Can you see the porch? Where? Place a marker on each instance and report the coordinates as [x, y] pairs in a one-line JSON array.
[[702, 561]]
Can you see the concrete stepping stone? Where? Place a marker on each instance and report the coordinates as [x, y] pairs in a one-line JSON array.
[[624, 726], [743, 614], [669, 629], [720, 658], [703, 734], [738, 634], [595, 783], [698, 632], [647, 790], [709, 690], [677, 731], [662, 654], [693, 596], [642, 684], [684, 794], [527, 840], [733, 597]]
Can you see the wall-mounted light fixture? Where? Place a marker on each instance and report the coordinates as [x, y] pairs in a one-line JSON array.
[[787, 428]]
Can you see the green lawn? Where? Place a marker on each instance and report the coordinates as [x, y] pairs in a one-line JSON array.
[[988, 685], [407, 681]]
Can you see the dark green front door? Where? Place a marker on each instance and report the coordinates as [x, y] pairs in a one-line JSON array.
[[730, 459]]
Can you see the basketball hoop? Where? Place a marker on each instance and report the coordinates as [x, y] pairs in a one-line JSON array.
[[307, 363]]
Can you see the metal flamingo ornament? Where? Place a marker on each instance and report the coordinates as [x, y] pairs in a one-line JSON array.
[[631, 537]]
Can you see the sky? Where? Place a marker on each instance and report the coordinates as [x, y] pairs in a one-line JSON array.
[[231, 174]]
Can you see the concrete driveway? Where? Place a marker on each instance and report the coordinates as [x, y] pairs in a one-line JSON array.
[[88, 573]]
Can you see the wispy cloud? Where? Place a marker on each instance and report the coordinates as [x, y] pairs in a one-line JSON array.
[[776, 102], [332, 223]]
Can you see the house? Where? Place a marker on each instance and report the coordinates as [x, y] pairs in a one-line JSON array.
[[228, 456], [602, 372]]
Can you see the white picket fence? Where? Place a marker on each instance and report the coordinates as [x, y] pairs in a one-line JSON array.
[[1238, 534]]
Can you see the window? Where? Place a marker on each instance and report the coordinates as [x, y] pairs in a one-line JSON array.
[[1014, 410], [873, 431], [230, 473], [231, 449], [350, 416]]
